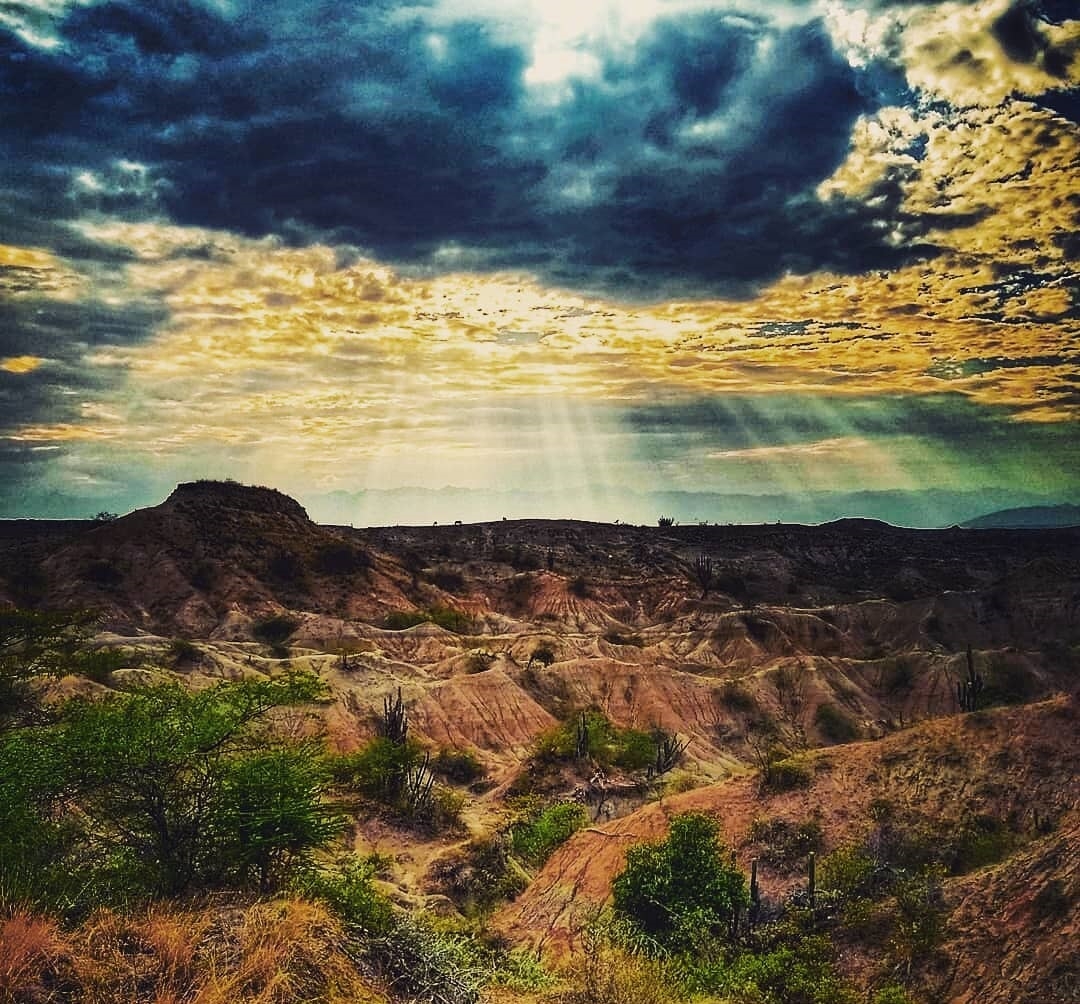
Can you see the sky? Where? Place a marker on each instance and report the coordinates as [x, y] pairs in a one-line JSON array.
[[560, 256]]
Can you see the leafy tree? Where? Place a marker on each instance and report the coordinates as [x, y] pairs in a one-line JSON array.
[[175, 788], [33, 644], [681, 892]]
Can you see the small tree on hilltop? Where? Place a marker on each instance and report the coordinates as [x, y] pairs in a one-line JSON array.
[[684, 891]]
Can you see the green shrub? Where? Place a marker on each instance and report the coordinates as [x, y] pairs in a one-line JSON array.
[[787, 774], [274, 630], [543, 654], [479, 876], [402, 620], [537, 836], [796, 970], [286, 568], [340, 560], [182, 652], [352, 896], [450, 620], [835, 725], [103, 572], [99, 664], [448, 580], [785, 843], [459, 766], [1008, 682], [480, 661], [847, 871], [897, 676], [378, 770], [608, 745], [1052, 901], [580, 587], [736, 697], [164, 789], [680, 893]]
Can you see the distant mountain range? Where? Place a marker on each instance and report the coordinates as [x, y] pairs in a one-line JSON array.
[[419, 506], [1027, 517]]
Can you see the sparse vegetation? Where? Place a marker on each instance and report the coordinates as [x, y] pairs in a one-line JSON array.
[[275, 630], [591, 734], [444, 617], [340, 560], [459, 766], [835, 724], [540, 830]]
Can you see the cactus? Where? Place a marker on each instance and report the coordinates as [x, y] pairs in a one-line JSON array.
[[395, 725], [581, 742], [968, 691], [703, 573], [416, 787], [669, 751], [811, 883]]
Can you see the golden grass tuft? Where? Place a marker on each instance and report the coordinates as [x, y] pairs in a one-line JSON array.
[[30, 946], [278, 952]]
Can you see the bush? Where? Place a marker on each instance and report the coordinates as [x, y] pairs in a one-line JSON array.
[[459, 766], [341, 560], [182, 652], [352, 896], [615, 638], [580, 587], [450, 620], [736, 697], [543, 654], [444, 617], [835, 725], [99, 664], [275, 630], [377, 771], [537, 836], [478, 877], [786, 843], [286, 568], [167, 789], [448, 580], [682, 892], [402, 620], [796, 969], [607, 744], [787, 774]]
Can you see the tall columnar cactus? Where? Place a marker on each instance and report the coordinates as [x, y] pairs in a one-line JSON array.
[[703, 573], [811, 880], [968, 691], [395, 725], [581, 741]]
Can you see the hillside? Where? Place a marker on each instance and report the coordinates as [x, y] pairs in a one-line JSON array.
[[1027, 517], [841, 644]]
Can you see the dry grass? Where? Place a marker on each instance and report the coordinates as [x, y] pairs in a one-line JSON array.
[[279, 952], [30, 948]]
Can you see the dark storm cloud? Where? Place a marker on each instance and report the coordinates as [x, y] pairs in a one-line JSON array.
[[693, 155], [62, 333]]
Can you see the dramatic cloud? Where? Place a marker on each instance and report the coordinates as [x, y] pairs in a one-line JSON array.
[[465, 242]]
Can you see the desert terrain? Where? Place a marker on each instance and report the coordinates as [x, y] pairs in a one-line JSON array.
[[804, 677]]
